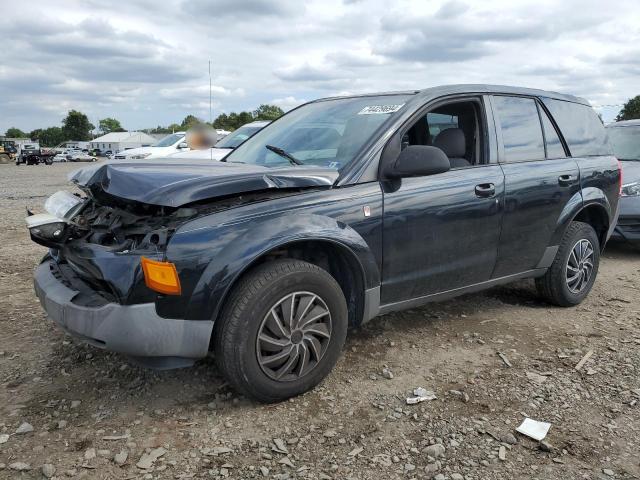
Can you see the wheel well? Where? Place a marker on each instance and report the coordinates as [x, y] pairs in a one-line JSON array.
[[335, 259], [597, 217]]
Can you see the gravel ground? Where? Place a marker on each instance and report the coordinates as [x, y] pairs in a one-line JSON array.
[[71, 411]]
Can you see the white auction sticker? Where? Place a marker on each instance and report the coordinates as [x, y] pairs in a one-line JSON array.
[[380, 109]]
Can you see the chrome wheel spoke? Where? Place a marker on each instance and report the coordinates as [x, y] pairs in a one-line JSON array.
[[304, 305], [314, 346], [289, 364], [314, 315], [303, 364], [293, 336], [288, 310], [270, 344], [275, 324], [319, 330], [276, 359]]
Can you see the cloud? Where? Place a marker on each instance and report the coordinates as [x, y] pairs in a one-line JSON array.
[[146, 62], [287, 103], [242, 10]]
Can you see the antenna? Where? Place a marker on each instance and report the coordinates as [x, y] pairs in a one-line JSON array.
[[210, 109], [210, 96]]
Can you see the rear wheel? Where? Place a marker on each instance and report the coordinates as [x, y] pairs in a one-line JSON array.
[[281, 331], [573, 272], [4, 158]]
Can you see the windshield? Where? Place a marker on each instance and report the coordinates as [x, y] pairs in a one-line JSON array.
[[240, 135], [169, 140], [328, 133], [626, 142]]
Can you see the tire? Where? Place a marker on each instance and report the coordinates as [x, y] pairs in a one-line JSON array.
[[560, 285], [245, 361], [4, 158]]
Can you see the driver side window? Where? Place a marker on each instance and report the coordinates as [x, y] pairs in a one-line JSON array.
[[454, 128]]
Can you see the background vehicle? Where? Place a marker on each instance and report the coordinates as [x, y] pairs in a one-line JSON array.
[[341, 210], [625, 137], [168, 145], [79, 156], [35, 156], [8, 151], [225, 145]]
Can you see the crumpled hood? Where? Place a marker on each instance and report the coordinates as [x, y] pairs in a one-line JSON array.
[[174, 182], [630, 171]]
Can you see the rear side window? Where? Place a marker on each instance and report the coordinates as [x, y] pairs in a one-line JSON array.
[[520, 125], [580, 127], [554, 145]]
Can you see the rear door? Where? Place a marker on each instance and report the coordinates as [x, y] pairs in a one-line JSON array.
[[540, 180]]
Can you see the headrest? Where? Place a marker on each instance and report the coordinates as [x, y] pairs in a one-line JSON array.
[[451, 141]]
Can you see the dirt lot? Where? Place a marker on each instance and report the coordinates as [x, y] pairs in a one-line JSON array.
[[86, 407]]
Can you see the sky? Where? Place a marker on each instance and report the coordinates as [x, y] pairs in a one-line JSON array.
[[145, 62]]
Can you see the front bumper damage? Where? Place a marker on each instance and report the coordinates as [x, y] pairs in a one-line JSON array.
[[133, 330]]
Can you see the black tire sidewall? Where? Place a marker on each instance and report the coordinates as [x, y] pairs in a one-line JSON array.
[[585, 232], [255, 380]]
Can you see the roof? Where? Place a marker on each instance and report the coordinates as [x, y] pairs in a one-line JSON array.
[[625, 123], [477, 88], [116, 137]]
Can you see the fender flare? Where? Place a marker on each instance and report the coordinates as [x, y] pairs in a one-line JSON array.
[[263, 235], [588, 197]]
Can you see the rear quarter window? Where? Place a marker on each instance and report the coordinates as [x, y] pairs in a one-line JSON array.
[[582, 129]]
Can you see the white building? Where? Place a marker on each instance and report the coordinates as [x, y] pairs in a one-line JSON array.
[[119, 141]]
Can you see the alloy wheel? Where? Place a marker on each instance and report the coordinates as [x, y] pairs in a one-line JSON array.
[[293, 336], [580, 266]]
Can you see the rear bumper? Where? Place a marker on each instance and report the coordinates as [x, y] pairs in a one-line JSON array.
[[134, 330]]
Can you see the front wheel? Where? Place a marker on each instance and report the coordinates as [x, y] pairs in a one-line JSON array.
[[281, 331], [574, 270]]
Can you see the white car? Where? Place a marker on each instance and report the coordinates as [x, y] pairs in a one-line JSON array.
[[165, 147], [226, 145]]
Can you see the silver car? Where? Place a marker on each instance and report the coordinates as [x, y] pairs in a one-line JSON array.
[[625, 137]]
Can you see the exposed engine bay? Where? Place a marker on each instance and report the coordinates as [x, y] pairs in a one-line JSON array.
[[124, 225]]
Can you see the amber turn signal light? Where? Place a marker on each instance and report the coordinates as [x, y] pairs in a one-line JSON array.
[[161, 277]]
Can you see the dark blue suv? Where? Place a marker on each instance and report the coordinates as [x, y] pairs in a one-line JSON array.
[[341, 210]]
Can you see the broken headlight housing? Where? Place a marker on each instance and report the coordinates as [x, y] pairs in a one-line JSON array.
[[49, 228]]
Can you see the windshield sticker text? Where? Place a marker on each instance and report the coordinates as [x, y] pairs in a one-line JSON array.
[[380, 109]]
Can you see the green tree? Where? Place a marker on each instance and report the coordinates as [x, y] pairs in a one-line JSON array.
[[107, 125], [189, 121], [52, 136], [15, 133], [267, 112], [76, 126], [630, 110], [34, 135]]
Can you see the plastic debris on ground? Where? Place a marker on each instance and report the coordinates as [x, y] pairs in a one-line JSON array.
[[534, 429], [421, 395]]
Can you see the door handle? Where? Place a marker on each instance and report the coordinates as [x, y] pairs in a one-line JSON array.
[[567, 180], [485, 190]]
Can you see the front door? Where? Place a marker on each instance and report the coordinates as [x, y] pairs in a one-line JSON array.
[[441, 232]]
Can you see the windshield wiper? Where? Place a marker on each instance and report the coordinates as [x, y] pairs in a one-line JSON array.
[[284, 154]]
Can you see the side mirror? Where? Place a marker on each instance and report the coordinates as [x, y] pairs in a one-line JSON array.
[[182, 145], [419, 161]]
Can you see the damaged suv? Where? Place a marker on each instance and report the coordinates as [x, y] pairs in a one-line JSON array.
[[341, 210]]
